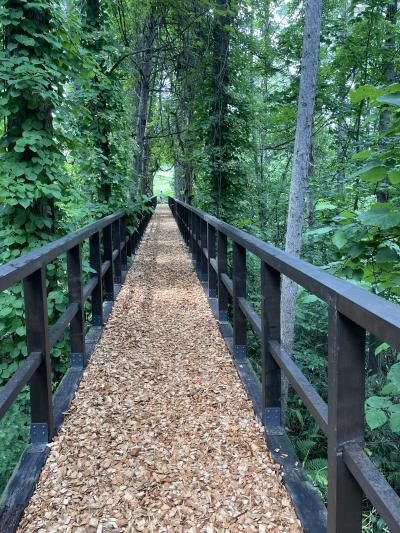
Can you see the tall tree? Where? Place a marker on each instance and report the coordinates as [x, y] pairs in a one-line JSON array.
[[301, 160]]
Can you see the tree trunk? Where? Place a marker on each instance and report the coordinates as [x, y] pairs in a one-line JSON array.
[[300, 166], [385, 117], [144, 90], [219, 126]]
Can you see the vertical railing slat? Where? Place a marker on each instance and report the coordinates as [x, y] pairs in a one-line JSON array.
[[223, 295], [346, 395], [97, 294], [212, 275], [37, 338], [116, 238], [239, 290], [75, 287], [270, 330], [109, 275]]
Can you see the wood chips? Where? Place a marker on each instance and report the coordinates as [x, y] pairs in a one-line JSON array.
[[160, 436]]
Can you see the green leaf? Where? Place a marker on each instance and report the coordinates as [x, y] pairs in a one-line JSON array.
[[375, 418], [339, 239], [394, 375], [393, 99], [394, 422], [362, 92], [379, 402], [6, 311], [386, 255], [23, 39], [382, 348], [365, 154], [394, 176], [373, 171], [325, 206], [384, 216]]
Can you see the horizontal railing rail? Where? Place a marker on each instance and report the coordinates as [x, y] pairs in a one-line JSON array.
[[110, 245], [352, 312]]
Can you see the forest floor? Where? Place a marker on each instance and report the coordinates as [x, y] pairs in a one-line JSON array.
[[160, 436]]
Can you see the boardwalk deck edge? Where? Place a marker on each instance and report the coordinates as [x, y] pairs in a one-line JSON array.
[[306, 500]]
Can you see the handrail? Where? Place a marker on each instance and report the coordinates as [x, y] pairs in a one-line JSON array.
[[352, 312], [30, 268]]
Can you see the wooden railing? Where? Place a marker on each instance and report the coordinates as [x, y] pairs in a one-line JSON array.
[[352, 312], [108, 235]]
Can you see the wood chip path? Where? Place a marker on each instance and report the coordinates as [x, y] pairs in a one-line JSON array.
[[160, 436]]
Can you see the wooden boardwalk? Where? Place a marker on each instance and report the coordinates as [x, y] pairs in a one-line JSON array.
[[161, 435]]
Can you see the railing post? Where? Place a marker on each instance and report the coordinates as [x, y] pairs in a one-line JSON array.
[[37, 339], [116, 236], [198, 245], [212, 275], [124, 255], [191, 239], [239, 290], [109, 275], [203, 246], [77, 325], [346, 394], [97, 294], [270, 330], [222, 269]]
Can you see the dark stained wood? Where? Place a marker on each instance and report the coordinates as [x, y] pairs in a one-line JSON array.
[[227, 283], [18, 269], [372, 312], [59, 327], [19, 379], [251, 315], [108, 258], [239, 290], [375, 486], [124, 255], [346, 384], [37, 340], [21, 486], [75, 289], [222, 260], [47, 412], [203, 245], [313, 401], [352, 312], [212, 250], [96, 265], [270, 330]]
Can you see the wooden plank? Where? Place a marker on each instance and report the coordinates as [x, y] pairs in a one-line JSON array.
[[75, 291], [376, 488], [239, 290], [89, 287], [37, 340], [372, 312], [20, 268], [346, 391], [313, 401], [211, 256], [251, 315], [270, 331], [96, 265], [65, 393], [59, 327], [227, 282], [19, 379], [108, 276], [21, 486]]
